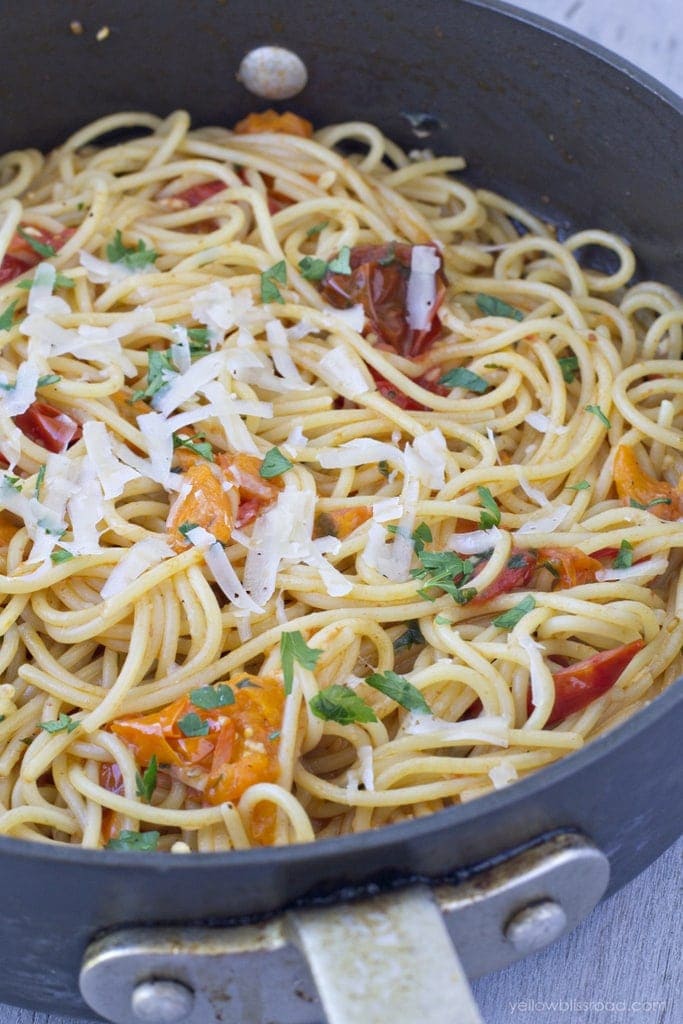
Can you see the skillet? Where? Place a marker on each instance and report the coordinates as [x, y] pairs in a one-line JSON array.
[[581, 138]]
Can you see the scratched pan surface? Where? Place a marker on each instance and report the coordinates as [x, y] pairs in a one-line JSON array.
[[570, 131]]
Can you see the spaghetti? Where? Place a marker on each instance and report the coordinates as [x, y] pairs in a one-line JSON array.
[[335, 492]]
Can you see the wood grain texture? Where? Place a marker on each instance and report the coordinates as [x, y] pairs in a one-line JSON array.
[[622, 964]]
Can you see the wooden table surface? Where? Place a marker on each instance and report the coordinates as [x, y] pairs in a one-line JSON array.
[[622, 965]]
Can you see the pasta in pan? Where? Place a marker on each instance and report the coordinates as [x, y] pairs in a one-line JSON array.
[[334, 491]]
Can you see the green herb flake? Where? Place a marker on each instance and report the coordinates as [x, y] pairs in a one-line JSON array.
[[446, 570], [15, 482], [210, 697], [412, 636], [551, 569], [491, 514], [43, 250], [65, 723], [443, 620], [491, 306], [274, 464], [637, 504], [134, 257], [512, 616], [200, 341], [47, 379], [194, 444], [390, 256], [384, 467], [569, 366], [61, 281], [462, 378], [60, 555], [146, 842], [399, 689], [160, 372], [293, 648], [7, 316], [186, 528], [597, 411], [247, 684], [340, 704], [40, 476], [146, 783], [192, 725], [277, 274], [274, 735], [624, 559], [317, 228], [312, 268], [582, 485], [342, 263]]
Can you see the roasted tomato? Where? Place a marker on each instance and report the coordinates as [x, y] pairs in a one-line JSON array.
[[202, 501], [570, 566], [49, 427], [196, 194], [270, 121], [632, 483], [516, 574], [20, 255], [379, 281], [255, 492], [341, 522], [429, 381]]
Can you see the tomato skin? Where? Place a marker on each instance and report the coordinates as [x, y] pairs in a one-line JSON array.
[[632, 482], [341, 522], [206, 504], [48, 426], [572, 566], [20, 257], [513, 577], [580, 684], [379, 281], [428, 381], [269, 120], [196, 194]]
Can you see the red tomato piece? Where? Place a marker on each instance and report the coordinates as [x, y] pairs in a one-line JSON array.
[[516, 574], [196, 194], [20, 256], [49, 427], [572, 566], [429, 381]]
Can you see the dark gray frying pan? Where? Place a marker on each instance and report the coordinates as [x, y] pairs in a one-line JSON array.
[[541, 114]]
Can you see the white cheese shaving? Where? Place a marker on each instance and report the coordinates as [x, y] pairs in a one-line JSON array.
[[546, 523], [85, 509], [488, 729], [425, 459], [344, 372], [531, 492], [283, 532], [180, 348], [643, 570], [421, 292], [501, 775], [113, 475], [223, 572], [184, 386], [296, 442], [539, 421], [103, 272], [366, 765], [219, 309], [386, 510], [540, 675], [353, 318], [393, 559], [158, 436], [40, 297], [474, 543], [360, 452], [335, 583], [237, 436], [279, 349], [141, 557], [301, 330], [17, 398]]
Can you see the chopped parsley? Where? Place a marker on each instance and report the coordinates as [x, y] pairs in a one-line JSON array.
[[274, 735], [60, 555], [597, 411], [443, 620], [512, 616], [277, 274], [317, 228], [134, 257], [274, 464], [43, 250], [342, 263], [47, 379], [490, 516], [340, 704], [61, 281], [143, 841], [186, 528], [194, 444], [192, 725], [448, 571], [569, 366], [412, 635], [582, 485], [492, 306], [624, 559], [211, 697], [463, 378], [293, 648], [146, 783], [312, 268], [637, 504], [40, 476], [64, 723], [159, 373], [14, 482], [199, 340], [399, 689], [7, 316], [384, 467]]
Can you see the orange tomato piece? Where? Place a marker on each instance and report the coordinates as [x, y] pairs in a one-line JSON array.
[[631, 481], [239, 749], [111, 779], [270, 121], [7, 529], [341, 522], [204, 502], [256, 493], [572, 566]]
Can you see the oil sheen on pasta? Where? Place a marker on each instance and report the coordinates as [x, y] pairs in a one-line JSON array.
[[332, 492]]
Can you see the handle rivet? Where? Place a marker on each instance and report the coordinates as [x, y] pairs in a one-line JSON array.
[[273, 73], [161, 1001], [536, 926]]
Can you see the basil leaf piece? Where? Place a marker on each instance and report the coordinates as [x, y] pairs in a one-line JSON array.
[[199, 447], [211, 697], [7, 316], [192, 725], [145, 842], [317, 228], [312, 268], [43, 250], [399, 689], [269, 282], [40, 476], [47, 379], [624, 559], [637, 504], [569, 366], [64, 723], [341, 264], [293, 648], [512, 616], [60, 555], [492, 306], [491, 516], [412, 635], [597, 411], [146, 783], [160, 372], [274, 464], [340, 704], [134, 257], [462, 378]]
